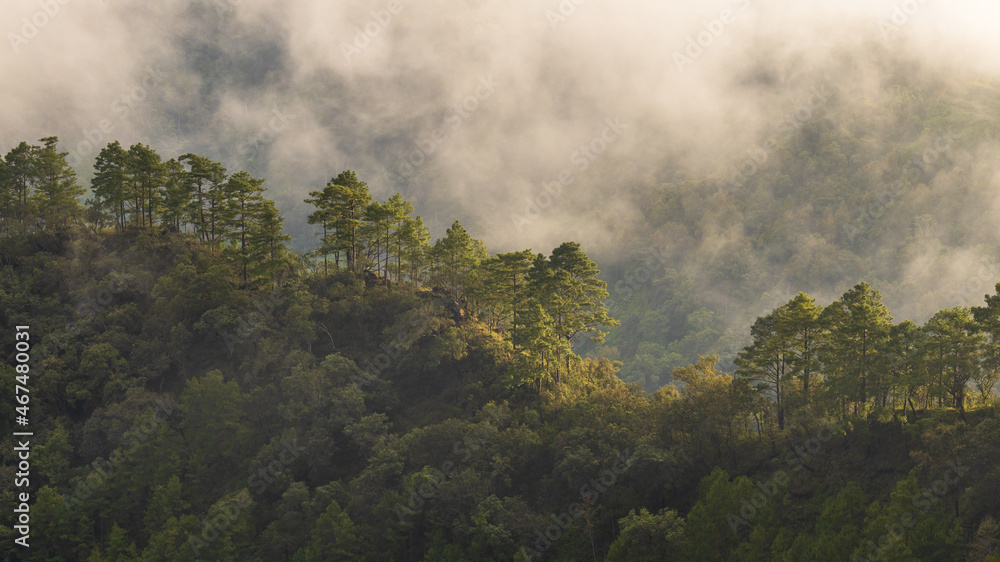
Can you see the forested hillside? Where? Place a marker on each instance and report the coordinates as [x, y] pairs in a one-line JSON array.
[[895, 186], [198, 391]]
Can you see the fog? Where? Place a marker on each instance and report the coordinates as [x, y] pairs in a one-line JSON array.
[[470, 109]]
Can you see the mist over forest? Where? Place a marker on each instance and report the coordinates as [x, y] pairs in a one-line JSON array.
[[714, 159], [469, 109]]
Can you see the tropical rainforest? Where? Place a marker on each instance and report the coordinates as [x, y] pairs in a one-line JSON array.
[[201, 391]]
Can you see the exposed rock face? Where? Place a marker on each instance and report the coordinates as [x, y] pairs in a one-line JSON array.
[[372, 279], [447, 300]]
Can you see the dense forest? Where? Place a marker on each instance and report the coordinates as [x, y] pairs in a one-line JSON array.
[[199, 391]]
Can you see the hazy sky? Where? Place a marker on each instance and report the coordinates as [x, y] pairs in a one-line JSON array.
[[467, 108]]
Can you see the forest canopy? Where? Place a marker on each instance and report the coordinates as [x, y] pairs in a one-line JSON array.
[[202, 391]]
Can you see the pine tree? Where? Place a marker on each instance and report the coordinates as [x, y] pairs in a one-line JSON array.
[[340, 207], [373, 233], [21, 173], [568, 289], [205, 180], [399, 217], [768, 360], [56, 188], [800, 320], [580, 309], [907, 367], [176, 195], [266, 242], [501, 291], [110, 183], [325, 217], [988, 319], [537, 346], [454, 258], [956, 341], [7, 197], [414, 241], [147, 176], [244, 196], [349, 198], [854, 355]]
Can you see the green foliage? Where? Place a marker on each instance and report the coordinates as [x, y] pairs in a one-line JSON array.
[[954, 345], [333, 538], [56, 189], [454, 259], [854, 355], [768, 360], [205, 181], [340, 209], [645, 536], [38, 189], [216, 396]]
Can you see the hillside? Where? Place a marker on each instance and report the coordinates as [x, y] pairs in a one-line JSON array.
[[180, 414], [893, 184], [500, 280]]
